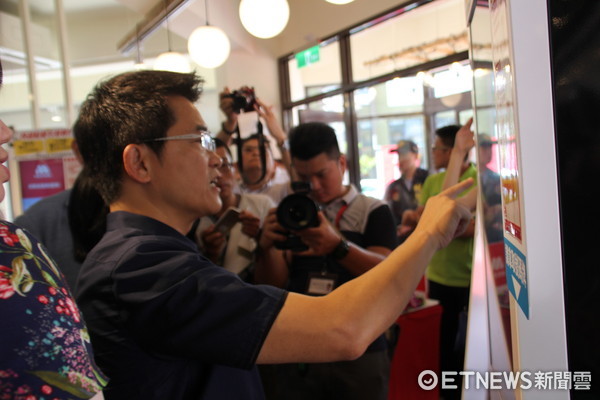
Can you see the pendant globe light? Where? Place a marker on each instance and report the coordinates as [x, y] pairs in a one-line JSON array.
[[208, 45], [339, 1], [264, 18], [171, 60]]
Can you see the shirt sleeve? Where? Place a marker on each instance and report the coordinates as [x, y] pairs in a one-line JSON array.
[[380, 229], [426, 191], [183, 305]]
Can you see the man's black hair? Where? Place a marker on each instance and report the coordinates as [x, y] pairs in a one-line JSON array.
[[310, 139], [128, 108], [447, 135]]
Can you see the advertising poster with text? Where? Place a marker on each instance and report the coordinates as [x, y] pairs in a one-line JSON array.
[[40, 178], [46, 163], [508, 134]]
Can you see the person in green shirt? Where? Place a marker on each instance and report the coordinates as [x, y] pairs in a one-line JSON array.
[[449, 272]]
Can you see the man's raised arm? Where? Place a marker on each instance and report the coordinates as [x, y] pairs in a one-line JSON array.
[[343, 323]]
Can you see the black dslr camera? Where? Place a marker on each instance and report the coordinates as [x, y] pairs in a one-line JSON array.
[[243, 99], [296, 212]]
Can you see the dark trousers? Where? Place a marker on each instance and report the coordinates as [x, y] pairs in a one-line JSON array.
[[366, 378], [454, 301]]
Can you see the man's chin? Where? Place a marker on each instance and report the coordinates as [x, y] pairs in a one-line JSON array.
[[215, 207], [321, 199]]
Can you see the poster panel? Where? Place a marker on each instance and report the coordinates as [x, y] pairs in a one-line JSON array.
[[40, 178], [46, 163], [510, 176]]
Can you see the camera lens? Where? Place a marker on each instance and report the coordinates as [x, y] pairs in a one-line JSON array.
[[296, 212]]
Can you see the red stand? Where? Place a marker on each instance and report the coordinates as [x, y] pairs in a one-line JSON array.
[[418, 349]]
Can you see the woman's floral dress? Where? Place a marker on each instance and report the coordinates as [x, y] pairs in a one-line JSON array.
[[45, 352]]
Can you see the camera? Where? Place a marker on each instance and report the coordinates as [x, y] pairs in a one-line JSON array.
[[243, 99], [297, 211]]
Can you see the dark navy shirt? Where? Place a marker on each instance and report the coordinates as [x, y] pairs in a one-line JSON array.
[[165, 322]]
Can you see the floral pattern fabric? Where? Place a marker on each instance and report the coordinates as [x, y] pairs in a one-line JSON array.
[[45, 352]]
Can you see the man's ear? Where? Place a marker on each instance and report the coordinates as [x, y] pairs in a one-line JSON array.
[[343, 163], [135, 162]]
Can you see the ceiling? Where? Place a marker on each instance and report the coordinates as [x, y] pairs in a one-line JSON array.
[[309, 19], [73, 6]]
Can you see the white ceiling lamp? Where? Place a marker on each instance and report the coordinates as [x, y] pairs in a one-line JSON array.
[[171, 60], [208, 45], [339, 1], [264, 18]]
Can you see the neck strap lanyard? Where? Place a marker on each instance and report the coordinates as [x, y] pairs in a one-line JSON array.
[[339, 214]]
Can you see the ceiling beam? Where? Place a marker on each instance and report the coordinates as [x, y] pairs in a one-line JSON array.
[[152, 20]]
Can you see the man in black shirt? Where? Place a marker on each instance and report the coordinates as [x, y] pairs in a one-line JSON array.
[[165, 322], [403, 194]]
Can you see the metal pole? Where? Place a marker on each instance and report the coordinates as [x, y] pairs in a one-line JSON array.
[[64, 59], [33, 92]]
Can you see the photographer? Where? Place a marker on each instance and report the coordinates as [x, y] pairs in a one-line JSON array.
[[353, 234], [253, 179]]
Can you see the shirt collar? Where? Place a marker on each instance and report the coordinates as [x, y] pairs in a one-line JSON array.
[[118, 220], [345, 199]]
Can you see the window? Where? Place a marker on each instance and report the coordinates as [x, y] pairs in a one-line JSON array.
[[315, 70], [397, 76], [408, 37]]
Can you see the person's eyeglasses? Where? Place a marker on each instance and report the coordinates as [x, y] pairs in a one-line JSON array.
[[225, 165], [204, 138]]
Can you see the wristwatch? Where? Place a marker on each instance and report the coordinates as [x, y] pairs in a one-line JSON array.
[[341, 250], [228, 132]]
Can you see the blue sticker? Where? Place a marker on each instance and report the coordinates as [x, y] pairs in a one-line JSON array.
[[516, 276]]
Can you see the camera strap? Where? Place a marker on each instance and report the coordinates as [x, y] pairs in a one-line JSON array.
[[262, 144]]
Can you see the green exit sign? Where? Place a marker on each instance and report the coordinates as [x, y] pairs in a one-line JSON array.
[[307, 57]]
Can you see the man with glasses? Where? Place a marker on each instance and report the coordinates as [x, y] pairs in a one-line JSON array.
[[165, 322], [252, 170], [449, 272], [234, 248]]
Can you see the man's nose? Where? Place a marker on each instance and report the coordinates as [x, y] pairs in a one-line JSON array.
[[314, 184]]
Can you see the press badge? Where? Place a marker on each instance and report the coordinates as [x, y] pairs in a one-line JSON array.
[[321, 284]]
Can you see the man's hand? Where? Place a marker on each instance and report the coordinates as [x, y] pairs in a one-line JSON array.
[[226, 105], [321, 240], [214, 243], [250, 224], [266, 113], [464, 140], [272, 231], [445, 218], [410, 218]]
